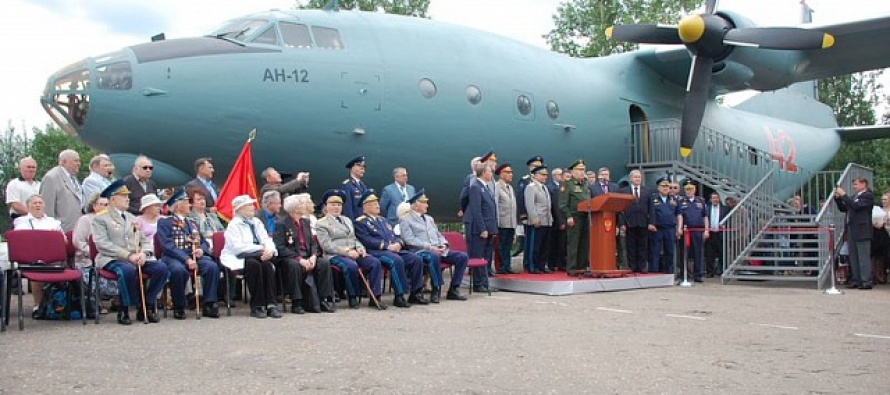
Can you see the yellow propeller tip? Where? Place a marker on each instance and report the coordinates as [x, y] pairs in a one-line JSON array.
[[691, 29], [609, 32], [684, 152], [827, 41]]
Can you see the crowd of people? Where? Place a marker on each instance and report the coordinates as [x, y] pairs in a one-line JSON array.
[[285, 250]]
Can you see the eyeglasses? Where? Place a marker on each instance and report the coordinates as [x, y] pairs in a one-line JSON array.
[[148, 167]]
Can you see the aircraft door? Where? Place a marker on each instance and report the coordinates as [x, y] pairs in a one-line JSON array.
[[639, 135]]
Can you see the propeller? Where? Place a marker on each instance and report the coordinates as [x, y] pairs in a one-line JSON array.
[[710, 38]]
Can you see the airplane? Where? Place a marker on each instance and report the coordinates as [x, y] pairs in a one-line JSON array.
[[323, 86]]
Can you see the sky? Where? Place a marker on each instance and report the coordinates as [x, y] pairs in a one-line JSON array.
[[42, 36]]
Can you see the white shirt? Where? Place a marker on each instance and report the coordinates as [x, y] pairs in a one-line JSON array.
[[19, 190], [715, 217], [93, 185], [29, 222]]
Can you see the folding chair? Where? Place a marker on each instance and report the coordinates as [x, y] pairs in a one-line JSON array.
[[456, 242], [40, 256]]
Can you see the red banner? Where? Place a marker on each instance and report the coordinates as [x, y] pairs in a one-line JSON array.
[[241, 181]]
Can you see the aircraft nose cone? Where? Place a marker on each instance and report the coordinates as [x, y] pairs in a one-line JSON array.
[[691, 29], [66, 97]]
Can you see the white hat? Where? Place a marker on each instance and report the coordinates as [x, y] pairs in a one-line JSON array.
[[241, 201], [149, 200]]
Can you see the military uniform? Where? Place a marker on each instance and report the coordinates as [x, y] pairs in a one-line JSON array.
[[663, 212], [571, 193], [527, 230], [352, 191], [694, 213]]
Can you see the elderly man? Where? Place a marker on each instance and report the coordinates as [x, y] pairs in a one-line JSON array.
[[571, 193], [481, 224], [186, 250], [20, 189], [61, 190], [532, 163], [336, 236], [664, 211], [634, 221], [603, 183], [204, 181], [540, 219], [139, 182], [121, 248], [506, 203], [36, 219], [377, 235], [394, 194], [353, 187], [557, 242], [300, 184], [101, 172], [271, 211], [420, 234], [694, 217], [859, 230]]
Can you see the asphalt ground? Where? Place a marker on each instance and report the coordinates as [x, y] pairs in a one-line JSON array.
[[751, 338]]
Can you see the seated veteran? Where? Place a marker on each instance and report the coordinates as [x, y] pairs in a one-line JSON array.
[[249, 248], [208, 222], [336, 236], [186, 250], [121, 247], [377, 236], [36, 219], [299, 259], [420, 234], [270, 210]]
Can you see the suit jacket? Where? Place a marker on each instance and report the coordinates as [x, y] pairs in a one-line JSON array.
[[196, 183], [636, 215], [506, 205], [420, 232], [175, 237], [391, 198], [596, 188], [538, 204], [287, 239], [137, 192], [62, 197], [481, 212], [239, 239], [336, 237], [858, 209], [553, 188], [724, 210], [375, 233], [116, 238], [292, 187]]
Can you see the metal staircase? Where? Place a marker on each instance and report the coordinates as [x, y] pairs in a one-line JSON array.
[[766, 237]]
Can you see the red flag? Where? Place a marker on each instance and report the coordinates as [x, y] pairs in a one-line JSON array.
[[241, 181]]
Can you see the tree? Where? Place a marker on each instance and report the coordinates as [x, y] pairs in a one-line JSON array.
[[580, 25], [417, 8], [853, 98], [13, 147], [47, 144]]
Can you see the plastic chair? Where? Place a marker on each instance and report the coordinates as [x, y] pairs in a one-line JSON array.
[[40, 256], [456, 242]]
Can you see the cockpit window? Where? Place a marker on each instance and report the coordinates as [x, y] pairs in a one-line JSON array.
[[270, 36], [326, 37], [240, 29], [295, 35], [116, 76]]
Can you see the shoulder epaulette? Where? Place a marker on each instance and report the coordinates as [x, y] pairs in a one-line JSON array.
[[361, 218], [346, 181]]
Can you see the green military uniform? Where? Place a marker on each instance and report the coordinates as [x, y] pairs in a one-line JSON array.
[[571, 193]]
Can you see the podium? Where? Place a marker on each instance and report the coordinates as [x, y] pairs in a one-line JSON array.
[[601, 214]]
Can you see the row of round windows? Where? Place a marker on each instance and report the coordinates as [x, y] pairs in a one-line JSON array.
[[524, 103]]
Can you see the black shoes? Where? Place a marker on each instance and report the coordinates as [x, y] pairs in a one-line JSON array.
[[379, 304], [179, 314], [481, 288], [545, 271], [434, 294], [210, 310], [353, 302], [454, 294], [272, 311], [296, 308], [327, 307], [257, 312], [399, 301], [152, 316], [123, 316], [417, 298]]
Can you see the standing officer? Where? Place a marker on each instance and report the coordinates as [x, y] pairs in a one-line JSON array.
[[532, 163], [540, 219], [557, 242], [694, 215], [664, 211], [376, 234], [506, 203], [353, 187], [571, 193]]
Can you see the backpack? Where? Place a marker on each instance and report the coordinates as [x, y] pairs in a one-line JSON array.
[[60, 302]]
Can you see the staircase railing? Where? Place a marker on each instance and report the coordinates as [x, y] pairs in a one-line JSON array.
[[745, 222]]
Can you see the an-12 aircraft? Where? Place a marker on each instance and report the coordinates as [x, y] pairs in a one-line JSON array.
[[323, 86]]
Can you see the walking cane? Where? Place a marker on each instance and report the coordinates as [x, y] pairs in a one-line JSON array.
[[368, 287], [139, 273], [197, 279]]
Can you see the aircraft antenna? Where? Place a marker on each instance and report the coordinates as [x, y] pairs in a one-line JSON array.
[[251, 135], [332, 5]]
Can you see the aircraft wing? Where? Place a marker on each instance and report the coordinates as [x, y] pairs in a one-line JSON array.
[[858, 46], [863, 133]]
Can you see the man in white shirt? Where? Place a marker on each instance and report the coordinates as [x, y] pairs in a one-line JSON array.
[[101, 171], [20, 189]]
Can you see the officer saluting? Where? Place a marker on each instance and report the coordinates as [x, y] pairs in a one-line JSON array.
[[571, 193], [664, 212], [694, 215], [353, 187]]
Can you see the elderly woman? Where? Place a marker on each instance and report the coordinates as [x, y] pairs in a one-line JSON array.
[[207, 222], [150, 209], [36, 219], [81, 240], [249, 247], [299, 258]]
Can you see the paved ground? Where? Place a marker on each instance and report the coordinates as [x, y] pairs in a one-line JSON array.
[[743, 338]]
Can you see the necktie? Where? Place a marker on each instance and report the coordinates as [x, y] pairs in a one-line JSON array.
[[605, 188], [636, 194], [256, 238], [124, 217], [487, 188], [404, 194]]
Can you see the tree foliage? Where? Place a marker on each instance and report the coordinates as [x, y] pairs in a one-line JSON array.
[[853, 99], [416, 8], [580, 25], [50, 141]]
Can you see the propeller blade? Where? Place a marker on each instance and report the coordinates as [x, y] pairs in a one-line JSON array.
[[779, 38], [645, 34], [696, 99], [710, 6]]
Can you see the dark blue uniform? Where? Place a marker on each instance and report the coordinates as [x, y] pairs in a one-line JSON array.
[[353, 189], [376, 234], [175, 235], [663, 213], [694, 212]]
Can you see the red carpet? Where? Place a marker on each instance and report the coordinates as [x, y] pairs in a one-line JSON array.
[[562, 276]]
